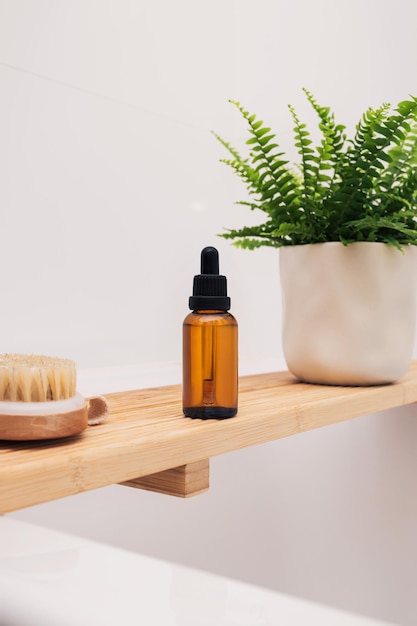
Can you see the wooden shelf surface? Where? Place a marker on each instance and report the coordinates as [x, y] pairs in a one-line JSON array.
[[147, 434]]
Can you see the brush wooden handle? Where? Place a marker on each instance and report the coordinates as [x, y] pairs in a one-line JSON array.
[[35, 427]]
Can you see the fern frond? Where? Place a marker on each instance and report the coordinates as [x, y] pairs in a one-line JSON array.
[[245, 172], [308, 160], [268, 162], [235, 154], [372, 225], [360, 164], [252, 244], [369, 156], [361, 189], [330, 150], [253, 236], [403, 162]]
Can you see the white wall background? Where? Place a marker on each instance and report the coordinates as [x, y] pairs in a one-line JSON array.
[[111, 186]]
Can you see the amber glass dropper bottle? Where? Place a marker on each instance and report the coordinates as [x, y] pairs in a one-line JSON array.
[[210, 360]]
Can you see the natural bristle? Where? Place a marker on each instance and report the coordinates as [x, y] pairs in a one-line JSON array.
[[36, 378]]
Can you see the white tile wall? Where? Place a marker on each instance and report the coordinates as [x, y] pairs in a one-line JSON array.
[[111, 182]]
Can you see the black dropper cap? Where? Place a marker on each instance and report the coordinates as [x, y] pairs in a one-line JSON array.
[[210, 288]]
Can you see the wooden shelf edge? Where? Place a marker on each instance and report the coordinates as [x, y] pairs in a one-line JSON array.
[[147, 443]]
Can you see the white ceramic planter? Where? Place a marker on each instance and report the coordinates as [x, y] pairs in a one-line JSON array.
[[349, 312]]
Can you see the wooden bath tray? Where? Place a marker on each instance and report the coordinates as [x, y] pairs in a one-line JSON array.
[[147, 443]]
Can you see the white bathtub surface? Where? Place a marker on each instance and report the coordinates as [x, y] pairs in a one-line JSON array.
[[53, 579]]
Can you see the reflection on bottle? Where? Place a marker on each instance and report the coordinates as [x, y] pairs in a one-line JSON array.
[[209, 378]]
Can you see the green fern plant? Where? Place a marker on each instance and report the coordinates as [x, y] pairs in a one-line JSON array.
[[358, 189]]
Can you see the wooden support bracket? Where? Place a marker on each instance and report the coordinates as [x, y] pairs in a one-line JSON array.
[[184, 481]]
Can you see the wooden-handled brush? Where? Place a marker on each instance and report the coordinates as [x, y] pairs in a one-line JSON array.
[[38, 398]]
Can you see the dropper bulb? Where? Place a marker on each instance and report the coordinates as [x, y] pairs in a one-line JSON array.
[[209, 287], [209, 260]]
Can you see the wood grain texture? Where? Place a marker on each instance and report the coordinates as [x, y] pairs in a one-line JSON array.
[[184, 482], [147, 433]]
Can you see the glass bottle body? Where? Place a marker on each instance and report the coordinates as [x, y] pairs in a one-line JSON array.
[[210, 364]]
